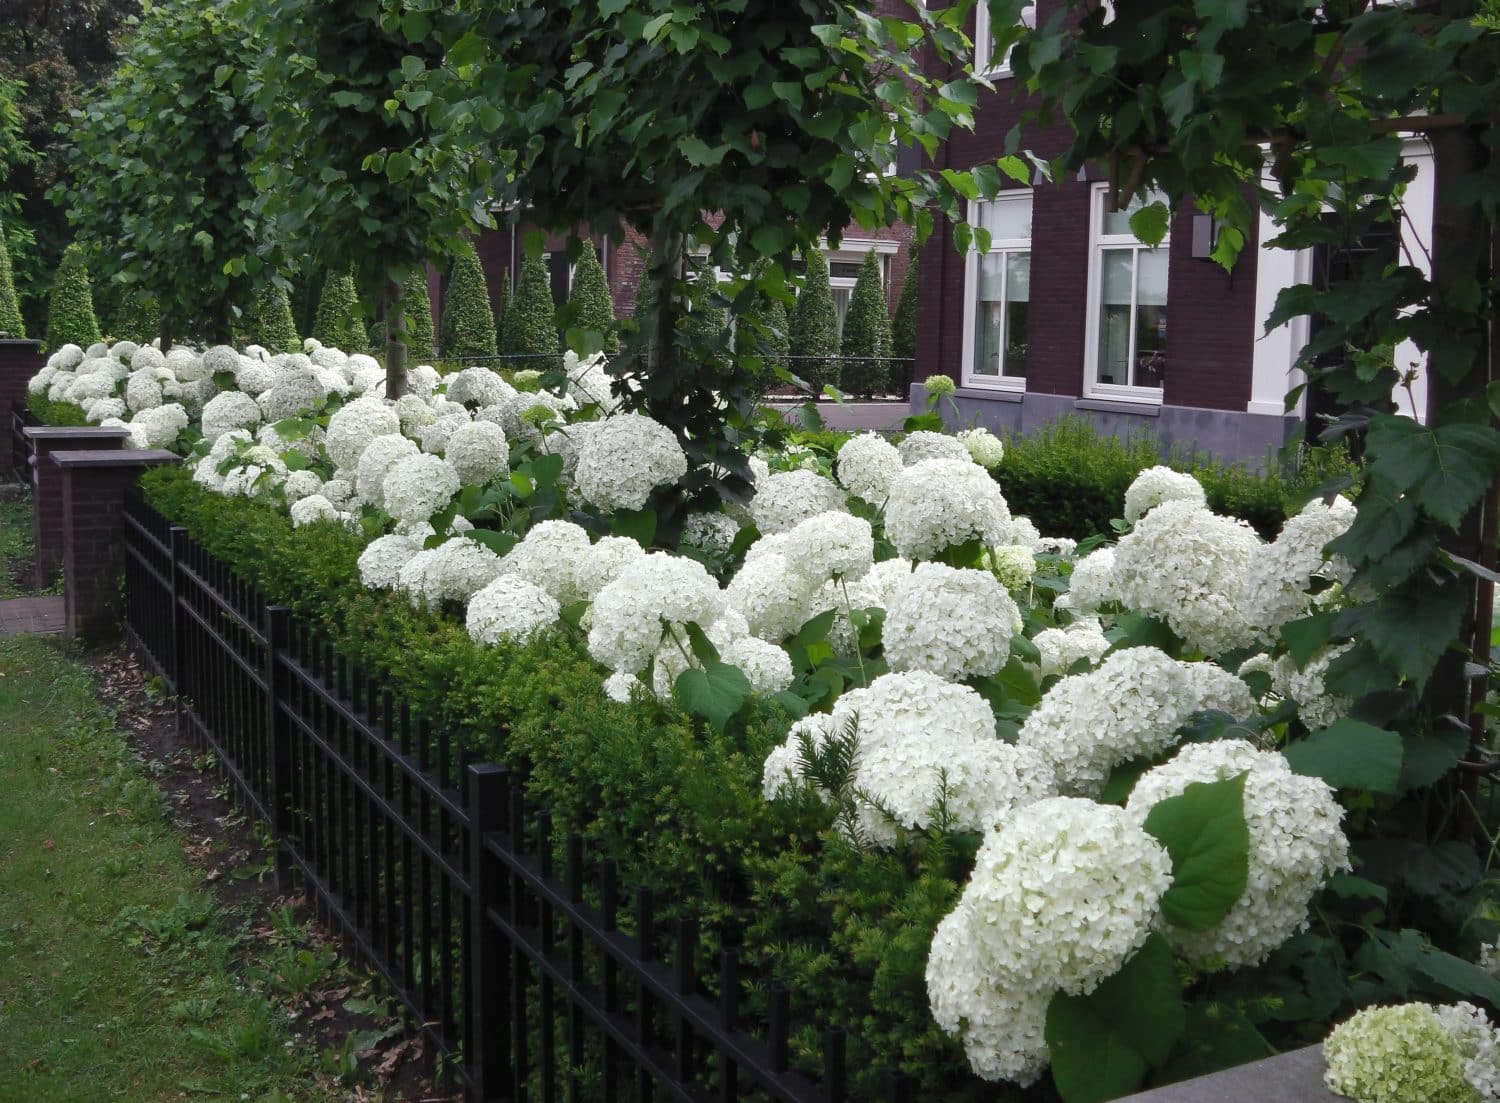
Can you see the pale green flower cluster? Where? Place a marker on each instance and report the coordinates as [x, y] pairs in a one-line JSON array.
[[1412, 1053]]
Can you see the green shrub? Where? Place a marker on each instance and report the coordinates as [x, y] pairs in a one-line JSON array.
[[867, 334], [468, 322], [59, 413], [763, 332], [11, 322], [70, 311], [138, 318], [340, 322], [416, 309], [593, 307], [904, 327], [815, 327], [270, 322], [530, 329]]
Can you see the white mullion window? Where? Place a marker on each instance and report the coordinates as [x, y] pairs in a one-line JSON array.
[[985, 64], [997, 294], [1126, 349]]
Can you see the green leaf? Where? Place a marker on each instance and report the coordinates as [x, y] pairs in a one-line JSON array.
[[1105, 1043], [1446, 469], [1149, 224], [1350, 887], [638, 524], [1427, 757], [1350, 754], [1204, 831], [714, 693], [1306, 637], [498, 542], [1122, 780], [703, 649]]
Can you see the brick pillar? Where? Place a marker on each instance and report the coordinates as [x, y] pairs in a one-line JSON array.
[[94, 484], [47, 502], [19, 361]]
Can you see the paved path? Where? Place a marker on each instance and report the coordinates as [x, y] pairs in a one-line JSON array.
[[31, 615]]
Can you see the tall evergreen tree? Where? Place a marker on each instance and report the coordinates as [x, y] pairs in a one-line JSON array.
[[417, 315], [762, 331], [503, 298], [70, 311], [867, 333], [270, 323], [592, 306], [529, 326], [815, 326], [10, 308], [904, 327], [468, 322], [339, 322]]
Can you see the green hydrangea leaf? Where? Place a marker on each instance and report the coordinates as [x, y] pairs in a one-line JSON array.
[[1204, 831], [1350, 754], [714, 693]]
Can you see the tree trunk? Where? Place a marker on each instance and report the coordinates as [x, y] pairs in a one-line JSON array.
[[661, 356], [395, 339], [164, 330]]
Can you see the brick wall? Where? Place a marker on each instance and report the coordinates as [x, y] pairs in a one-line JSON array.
[[19, 361], [47, 523]]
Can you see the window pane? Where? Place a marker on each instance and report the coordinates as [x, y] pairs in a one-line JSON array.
[[988, 319], [1114, 343], [1118, 222], [1150, 345], [1151, 284], [1114, 288], [841, 304], [1007, 219], [1017, 306]]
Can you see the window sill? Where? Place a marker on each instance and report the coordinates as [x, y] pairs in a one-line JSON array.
[[1139, 407], [991, 394]]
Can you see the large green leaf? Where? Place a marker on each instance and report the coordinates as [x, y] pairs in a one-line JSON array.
[[714, 693], [1446, 468], [1350, 754], [1105, 1043], [1204, 830]]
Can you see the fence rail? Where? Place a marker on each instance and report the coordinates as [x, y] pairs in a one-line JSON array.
[[435, 870], [20, 447]]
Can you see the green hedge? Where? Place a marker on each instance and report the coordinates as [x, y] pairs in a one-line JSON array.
[[679, 807], [11, 322], [48, 412]]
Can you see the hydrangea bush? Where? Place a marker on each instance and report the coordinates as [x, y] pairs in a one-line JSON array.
[[1128, 768]]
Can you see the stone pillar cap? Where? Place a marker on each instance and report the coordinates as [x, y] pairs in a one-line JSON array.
[[125, 457], [85, 432]]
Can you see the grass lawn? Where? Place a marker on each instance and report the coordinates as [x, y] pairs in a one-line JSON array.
[[15, 544], [119, 978]]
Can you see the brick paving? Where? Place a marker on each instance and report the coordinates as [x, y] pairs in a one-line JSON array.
[[31, 615]]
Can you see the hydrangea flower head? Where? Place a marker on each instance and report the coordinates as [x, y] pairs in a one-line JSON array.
[[941, 503]]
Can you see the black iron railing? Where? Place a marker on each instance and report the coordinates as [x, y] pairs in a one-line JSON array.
[[438, 874], [20, 447]]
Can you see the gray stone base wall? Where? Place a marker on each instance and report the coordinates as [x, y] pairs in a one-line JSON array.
[[1230, 435]]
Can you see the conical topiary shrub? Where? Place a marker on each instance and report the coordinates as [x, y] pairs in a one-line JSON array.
[[70, 310], [339, 322], [468, 322], [138, 318], [11, 322], [815, 327], [904, 328], [416, 309], [762, 331], [270, 323], [529, 326], [867, 334], [593, 308]]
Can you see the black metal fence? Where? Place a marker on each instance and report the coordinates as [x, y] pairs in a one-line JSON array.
[[20, 446], [435, 870]]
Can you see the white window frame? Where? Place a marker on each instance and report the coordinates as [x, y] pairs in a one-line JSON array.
[[1099, 243], [984, 41], [852, 251], [968, 376]]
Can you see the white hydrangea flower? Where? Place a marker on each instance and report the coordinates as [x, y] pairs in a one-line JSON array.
[[620, 687], [206, 472], [1060, 648], [588, 382], [123, 350], [1054, 545], [1064, 891], [142, 391], [255, 377], [422, 381], [101, 410], [874, 590], [954, 622], [39, 382], [1275, 586], [325, 356], [787, 498], [227, 411], [66, 358], [556, 557], [258, 471], [354, 426], [414, 412], [771, 596], [940, 503], [510, 608], [305, 445], [1213, 687], [301, 484], [523, 414], [984, 448], [160, 426], [381, 562], [1402, 1054], [1092, 584], [365, 374], [1317, 707], [867, 465], [416, 487], [1023, 531], [653, 591], [1003, 1029], [375, 463], [709, 532], [1156, 485], [830, 545], [478, 452], [478, 387], [187, 365], [453, 571], [1013, 564], [782, 769], [293, 394], [1478, 1042], [1130, 707], [1183, 565], [1296, 844], [313, 508], [606, 559], [767, 667], [87, 388], [219, 358], [625, 459], [927, 445], [436, 434], [148, 358]]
